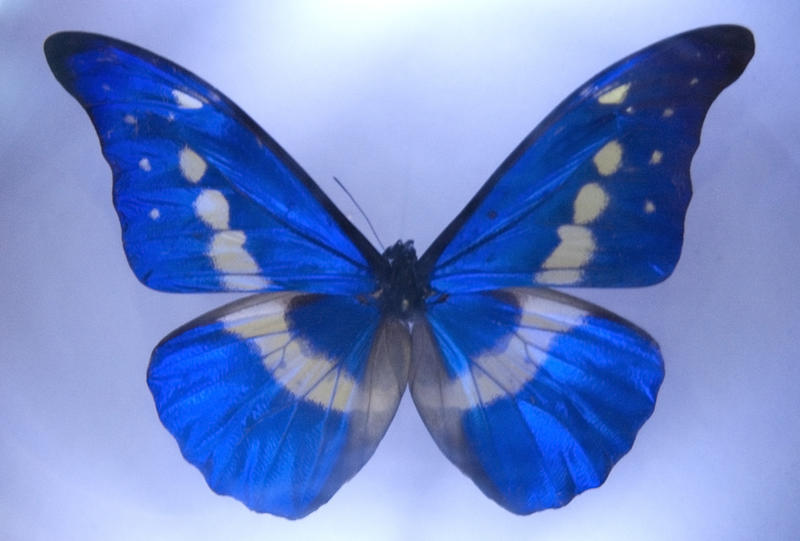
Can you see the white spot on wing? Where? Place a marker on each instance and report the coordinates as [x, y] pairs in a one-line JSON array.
[[185, 101], [245, 282], [193, 167], [240, 271], [608, 159], [228, 253], [212, 207], [694, 81], [574, 250], [655, 158], [129, 119], [558, 277], [668, 112], [154, 214], [649, 207], [144, 164], [614, 96], [591, 201]]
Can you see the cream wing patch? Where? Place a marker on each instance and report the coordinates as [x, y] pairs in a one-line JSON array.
[[574, 250], [503, 372], [192, 166], [558, 277], [576, 245], [615, 96], [590, 203], [212, 207], [306, 374], [240, 272], [608, 159], [656, 157], [185, 101], [227, 251]]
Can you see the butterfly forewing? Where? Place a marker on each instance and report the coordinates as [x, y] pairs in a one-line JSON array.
[[281, 397], [596, 195], [207, 200]]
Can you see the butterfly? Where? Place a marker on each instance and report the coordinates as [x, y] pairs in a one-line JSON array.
[[281, 397]]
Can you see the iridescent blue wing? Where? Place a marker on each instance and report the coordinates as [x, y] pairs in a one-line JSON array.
[[280, 398], [596, 195], [207, 200], [533, 394]]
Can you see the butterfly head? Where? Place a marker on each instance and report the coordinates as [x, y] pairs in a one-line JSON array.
[[400, 291]]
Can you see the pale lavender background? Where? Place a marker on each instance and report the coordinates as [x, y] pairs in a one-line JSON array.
[[412, 105]]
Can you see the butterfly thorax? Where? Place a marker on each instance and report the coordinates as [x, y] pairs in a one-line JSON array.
[[400, 292]]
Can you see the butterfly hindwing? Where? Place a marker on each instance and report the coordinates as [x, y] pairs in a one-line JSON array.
[[206, 199], [280, 398], [596, 195], [533, 394]]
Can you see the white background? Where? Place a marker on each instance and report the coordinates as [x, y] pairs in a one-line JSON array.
[[412, 105]]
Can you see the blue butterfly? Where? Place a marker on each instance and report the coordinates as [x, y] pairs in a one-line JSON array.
[[281, 397]]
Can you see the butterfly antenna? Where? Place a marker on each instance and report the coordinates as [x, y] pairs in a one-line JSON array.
[[364, 214]]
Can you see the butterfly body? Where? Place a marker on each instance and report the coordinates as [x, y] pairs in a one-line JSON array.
[[401, 292], [281, 397]]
